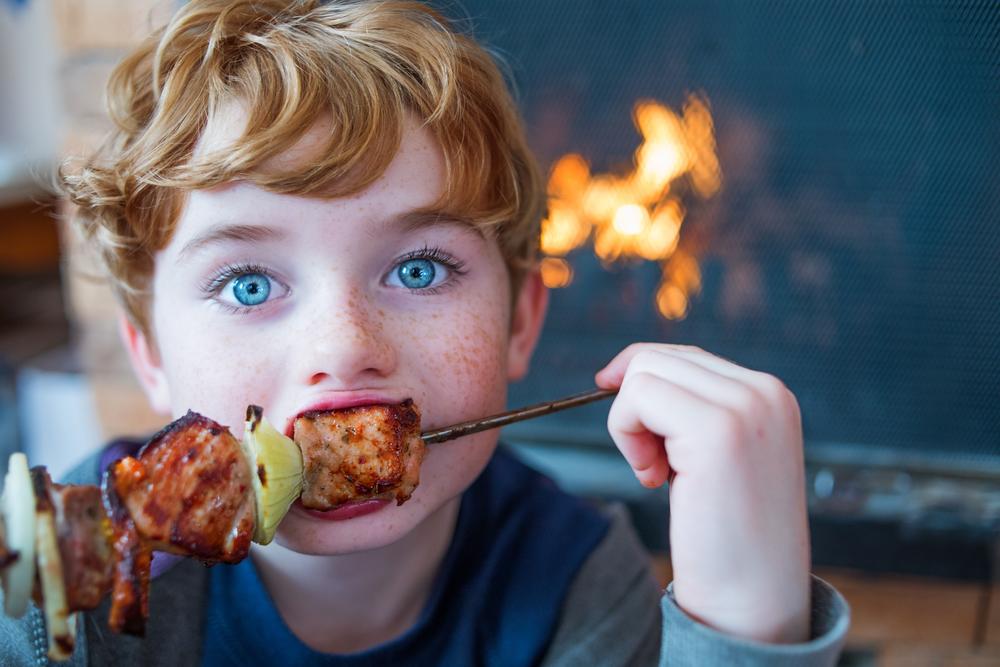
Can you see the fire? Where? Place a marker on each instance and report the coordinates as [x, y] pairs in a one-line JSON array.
[[630, 219], [637, 215], [556, 272]]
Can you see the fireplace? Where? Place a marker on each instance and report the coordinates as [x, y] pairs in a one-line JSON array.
[[829, 215]]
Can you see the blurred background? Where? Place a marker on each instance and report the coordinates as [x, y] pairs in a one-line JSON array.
[[806, 188]]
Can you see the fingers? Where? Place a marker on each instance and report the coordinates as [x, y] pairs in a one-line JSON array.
[[611, 376], [769, 388], [675, 403], [698, 378], [646, 455], [613, 373], [648, 410]]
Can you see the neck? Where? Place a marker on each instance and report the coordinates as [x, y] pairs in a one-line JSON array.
[[351, 602]]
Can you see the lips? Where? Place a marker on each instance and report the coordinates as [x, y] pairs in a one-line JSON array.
[[350, 510]]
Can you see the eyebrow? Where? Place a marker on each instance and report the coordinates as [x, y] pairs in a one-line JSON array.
[[228, 233], [412, 221], [408, 221]]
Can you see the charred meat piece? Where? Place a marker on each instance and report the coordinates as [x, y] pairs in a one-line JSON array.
[[359, 453], [189, 491], [85, 544], [132, 561]]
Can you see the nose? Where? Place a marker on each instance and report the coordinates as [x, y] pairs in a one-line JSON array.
[[348, 344]]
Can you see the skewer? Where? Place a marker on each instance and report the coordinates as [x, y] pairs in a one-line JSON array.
[[511, 416], [123, 568]]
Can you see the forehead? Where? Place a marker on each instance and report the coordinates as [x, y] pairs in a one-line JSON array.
[[226, 126]]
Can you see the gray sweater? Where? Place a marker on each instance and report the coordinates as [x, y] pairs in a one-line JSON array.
[[613, 615]]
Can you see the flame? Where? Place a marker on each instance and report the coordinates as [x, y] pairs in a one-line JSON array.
[[705, 174], [562, 230], [630, 219], [671, 301], [569, 177], [637, 215], [664, 231], [663, 155], [556, 272]]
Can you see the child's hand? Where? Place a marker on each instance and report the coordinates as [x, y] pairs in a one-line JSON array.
[[732, 440]]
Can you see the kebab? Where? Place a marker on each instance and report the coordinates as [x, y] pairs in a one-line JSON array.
[[195, 490]]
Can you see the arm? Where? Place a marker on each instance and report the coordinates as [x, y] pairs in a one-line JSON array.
[[614, 615], [611, 615], [687, 643]]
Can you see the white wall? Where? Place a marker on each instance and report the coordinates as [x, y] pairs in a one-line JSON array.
[[30, 106]]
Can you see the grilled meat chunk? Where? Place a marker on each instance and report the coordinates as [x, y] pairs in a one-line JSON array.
[[189, 491], [359, 453], [85, 539], [133, 558]]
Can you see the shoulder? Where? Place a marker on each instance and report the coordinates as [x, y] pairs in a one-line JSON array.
[[508, 484], [91, 469], [611, 614], [519, 544]]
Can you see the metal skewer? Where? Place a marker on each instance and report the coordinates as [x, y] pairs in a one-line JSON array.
[[511, 416]]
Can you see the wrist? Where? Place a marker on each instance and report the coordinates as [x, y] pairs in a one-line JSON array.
[[772, 619]]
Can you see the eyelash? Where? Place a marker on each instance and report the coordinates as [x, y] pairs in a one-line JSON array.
[[214, 285]]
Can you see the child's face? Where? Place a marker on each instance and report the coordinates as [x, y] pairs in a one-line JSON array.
[[290, 302]]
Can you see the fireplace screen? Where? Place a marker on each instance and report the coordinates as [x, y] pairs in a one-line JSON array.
[[806, 188]]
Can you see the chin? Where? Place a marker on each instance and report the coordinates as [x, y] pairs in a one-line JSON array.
[[372, 531]]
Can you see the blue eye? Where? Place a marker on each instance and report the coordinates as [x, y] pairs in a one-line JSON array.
[[416, 273], [244, 288], [251, 289], [426, 271]]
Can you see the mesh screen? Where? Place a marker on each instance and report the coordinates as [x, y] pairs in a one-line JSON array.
[[852, 250]]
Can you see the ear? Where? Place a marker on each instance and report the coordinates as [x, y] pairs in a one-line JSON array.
[[526, 323], [146, 364]]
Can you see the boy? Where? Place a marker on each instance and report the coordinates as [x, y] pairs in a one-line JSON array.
[[310, 206]]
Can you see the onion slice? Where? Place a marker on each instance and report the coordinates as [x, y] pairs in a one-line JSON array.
[[60, 632], [276, 470], [18, 508]]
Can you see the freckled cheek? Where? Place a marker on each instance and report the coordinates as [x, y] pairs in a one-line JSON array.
[[461, 361], [215, 374]]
